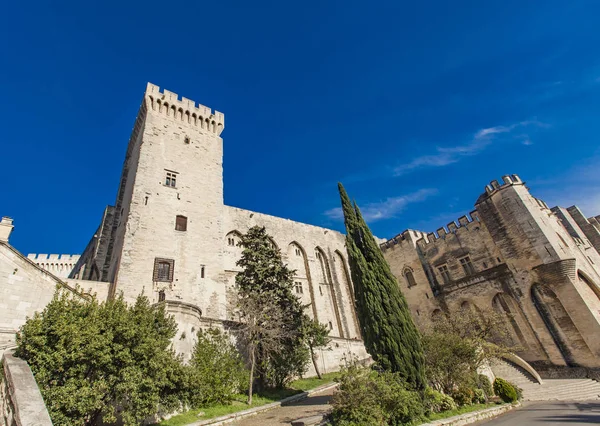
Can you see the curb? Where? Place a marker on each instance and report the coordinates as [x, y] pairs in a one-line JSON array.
[[475, 416], [256, 410]]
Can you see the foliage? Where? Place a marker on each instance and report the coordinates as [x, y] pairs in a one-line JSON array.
[[458, 345], [436, 402], [458, 411], [479, 396], [90, 357], [316, 336], [463, 395], [272, 316], [388, 330], [369, 397], [505, 390], [217, 369], [483, 383]]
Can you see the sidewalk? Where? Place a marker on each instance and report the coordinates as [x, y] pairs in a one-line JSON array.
[[311, 406]]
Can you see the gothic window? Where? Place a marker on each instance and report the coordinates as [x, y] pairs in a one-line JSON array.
[[163, 270], [445, 273], [230, 241], [171, 179], [181, 223], [161, 296], [298, 253], [410, 278], [298, 287], [465, 262]]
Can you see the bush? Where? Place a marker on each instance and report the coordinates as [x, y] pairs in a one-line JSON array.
[[505, 390], [435, 402], [217, 369], [483, 383], [479, 396], [372, 398], [463, 395]]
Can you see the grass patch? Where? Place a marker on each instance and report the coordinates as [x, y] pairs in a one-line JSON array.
[[313, 382], [461, 410], [239, 402]]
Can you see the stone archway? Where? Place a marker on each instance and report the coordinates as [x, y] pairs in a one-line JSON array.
[[565, 334]]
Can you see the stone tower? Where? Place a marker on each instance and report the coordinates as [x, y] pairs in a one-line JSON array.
[[167, 229]]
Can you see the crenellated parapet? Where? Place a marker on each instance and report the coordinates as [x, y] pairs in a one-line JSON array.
[[410, 236], [507, 180], [184, 109], [60, 265], [464, 223]]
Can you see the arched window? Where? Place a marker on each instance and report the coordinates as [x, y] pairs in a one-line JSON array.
[[410, 278]]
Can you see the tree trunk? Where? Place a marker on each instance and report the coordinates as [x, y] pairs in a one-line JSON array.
[[314, 360], [252, 362]]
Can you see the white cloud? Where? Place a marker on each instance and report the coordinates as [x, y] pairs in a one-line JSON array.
[[449, 155], [386, 209]]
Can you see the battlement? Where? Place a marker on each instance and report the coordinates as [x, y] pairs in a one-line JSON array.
[[450, 228], [60, 258], [184, 109], [408, 236], [507, 180]]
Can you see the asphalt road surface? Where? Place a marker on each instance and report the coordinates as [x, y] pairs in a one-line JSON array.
[[575, 413]]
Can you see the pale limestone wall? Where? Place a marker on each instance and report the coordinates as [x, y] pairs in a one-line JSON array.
[[403, 256], [99, 289], [24, 289], [59, 265], [21, 403], [325, 278]]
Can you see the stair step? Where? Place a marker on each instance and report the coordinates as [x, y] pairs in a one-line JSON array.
[[551, 389]]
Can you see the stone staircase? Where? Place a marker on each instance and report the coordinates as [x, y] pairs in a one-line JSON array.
[[550, 389]]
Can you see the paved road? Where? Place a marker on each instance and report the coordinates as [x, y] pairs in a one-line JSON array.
[[311, 406], [549, 414]]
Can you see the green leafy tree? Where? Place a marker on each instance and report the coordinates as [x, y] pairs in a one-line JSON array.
[[457, 345], [89, 358], [388, 330], [217, 369], [316, 336], [271, 313]]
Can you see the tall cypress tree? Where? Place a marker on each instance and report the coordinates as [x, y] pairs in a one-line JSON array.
[[388, 330]]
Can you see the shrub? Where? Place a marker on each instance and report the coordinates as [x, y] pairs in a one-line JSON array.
[[505, 390], [435, 402], [372, 398], [479, 396], [217, 369], [483, 383], [463, 395]]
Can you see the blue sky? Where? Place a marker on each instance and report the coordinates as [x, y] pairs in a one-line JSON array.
[[414, 106]]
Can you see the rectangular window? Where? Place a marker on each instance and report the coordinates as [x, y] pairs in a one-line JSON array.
[[171, 179], [181, 223], [163, 270], [298, 287], [467, 265], [445, 273]]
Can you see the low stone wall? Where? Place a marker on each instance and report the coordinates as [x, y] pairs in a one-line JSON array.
[[563, 372], [21, 402]]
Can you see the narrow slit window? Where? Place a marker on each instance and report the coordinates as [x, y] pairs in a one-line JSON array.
[[202, 272]]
